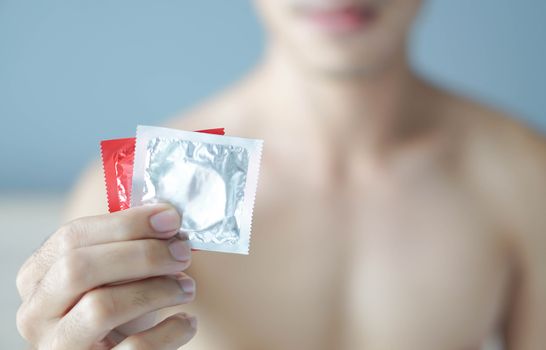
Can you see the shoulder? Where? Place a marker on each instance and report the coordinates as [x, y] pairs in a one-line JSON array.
[[497, 141], [504, 162], [506, 167]]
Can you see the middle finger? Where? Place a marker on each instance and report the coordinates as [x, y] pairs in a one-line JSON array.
[[90, 267]]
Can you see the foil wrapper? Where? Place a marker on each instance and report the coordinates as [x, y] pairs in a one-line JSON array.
[[117, 162], [210, 179]]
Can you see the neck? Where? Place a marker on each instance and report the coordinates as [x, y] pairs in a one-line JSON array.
[[376, 106]]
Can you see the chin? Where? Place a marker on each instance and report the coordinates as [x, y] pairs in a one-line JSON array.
[[358, 62]]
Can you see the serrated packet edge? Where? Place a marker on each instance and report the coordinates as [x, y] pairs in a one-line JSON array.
[[254, 148]]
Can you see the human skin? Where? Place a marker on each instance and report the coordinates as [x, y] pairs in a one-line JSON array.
[[390, 214]]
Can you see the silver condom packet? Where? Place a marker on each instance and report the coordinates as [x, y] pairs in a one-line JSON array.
[[210, 179]]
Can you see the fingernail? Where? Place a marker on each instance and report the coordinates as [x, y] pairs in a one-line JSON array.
[[165, 221], [187, 285], [193, 321], [180, 250]]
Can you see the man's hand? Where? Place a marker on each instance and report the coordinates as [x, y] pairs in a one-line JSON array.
[[96, 274]]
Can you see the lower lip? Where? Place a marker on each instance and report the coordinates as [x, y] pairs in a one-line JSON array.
[[343, 21]]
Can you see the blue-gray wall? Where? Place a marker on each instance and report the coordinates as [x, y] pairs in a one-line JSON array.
[[74, 72]]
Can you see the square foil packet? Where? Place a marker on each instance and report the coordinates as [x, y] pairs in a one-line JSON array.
[[117, 163], [210, 179]]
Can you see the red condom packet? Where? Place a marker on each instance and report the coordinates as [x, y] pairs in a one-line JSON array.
[[117, 162]]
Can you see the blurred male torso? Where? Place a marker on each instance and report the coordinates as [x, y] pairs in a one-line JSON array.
[[394, 250], [389, 214]]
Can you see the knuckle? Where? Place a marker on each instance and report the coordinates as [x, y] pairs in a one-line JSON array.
[[74, 234], [24, 323], [141, 298], [99, 307], [33, 267], [69, 235], [72, 269]]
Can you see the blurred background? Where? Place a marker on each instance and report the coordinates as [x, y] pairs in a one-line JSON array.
[[75, 72]]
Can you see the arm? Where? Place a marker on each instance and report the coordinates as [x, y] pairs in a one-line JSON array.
[[526, 327], [527, 318]]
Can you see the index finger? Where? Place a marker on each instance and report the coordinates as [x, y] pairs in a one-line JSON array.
[[149, 221]]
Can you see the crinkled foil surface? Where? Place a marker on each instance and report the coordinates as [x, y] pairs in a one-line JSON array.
[[123, 165], [204, 181]]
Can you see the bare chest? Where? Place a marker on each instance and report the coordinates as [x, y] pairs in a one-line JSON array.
[[417, 269]]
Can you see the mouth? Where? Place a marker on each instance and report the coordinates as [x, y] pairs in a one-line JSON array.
[[339, 18]]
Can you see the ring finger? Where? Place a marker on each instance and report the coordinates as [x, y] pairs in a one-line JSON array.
[[104, 309]]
